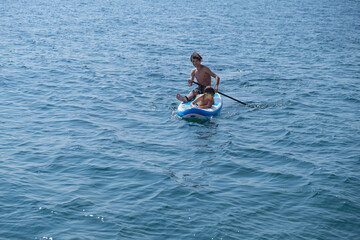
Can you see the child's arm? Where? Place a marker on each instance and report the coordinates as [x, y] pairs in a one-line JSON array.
[[196, 101]]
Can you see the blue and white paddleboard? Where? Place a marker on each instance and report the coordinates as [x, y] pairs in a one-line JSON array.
[[186, 112]]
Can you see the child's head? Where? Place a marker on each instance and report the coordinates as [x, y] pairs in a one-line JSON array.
[[195, 55], [209, 90]]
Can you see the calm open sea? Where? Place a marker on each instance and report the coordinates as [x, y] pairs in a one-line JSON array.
[[91, 148]]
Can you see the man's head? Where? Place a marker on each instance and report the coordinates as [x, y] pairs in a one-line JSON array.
[[195, 55]]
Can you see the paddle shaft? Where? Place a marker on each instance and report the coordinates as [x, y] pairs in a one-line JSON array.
[[226, 95]]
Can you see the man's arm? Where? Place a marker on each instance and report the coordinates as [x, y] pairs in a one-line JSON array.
[[217, 79], [191, 79]]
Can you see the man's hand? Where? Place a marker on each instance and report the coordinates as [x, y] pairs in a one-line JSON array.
[[190, 82]]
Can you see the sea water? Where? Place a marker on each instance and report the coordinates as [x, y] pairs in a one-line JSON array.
[[91, 148]]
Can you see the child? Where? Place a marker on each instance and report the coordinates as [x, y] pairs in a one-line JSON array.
[[205, 100], [203, 75]]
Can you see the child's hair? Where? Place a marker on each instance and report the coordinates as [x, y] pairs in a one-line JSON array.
[[195, 55], [209, 90]]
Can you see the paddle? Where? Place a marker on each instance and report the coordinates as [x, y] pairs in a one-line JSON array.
[[226, 96]]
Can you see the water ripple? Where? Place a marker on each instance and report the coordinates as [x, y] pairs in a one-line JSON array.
[[91, 148]]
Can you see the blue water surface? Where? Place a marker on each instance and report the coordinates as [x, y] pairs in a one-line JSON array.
[[91, 147]]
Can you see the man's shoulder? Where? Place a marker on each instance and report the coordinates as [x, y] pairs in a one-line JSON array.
[[205, 68], [193, 71]]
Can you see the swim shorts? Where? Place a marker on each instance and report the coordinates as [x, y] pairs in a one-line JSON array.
[[199, 90]]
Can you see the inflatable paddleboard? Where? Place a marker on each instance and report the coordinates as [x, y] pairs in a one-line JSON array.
[[186, 112]]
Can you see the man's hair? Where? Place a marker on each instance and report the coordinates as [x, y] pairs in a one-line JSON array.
[[195, 55], [209, 90]]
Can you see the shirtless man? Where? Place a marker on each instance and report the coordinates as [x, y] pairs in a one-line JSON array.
[[203, 75]]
